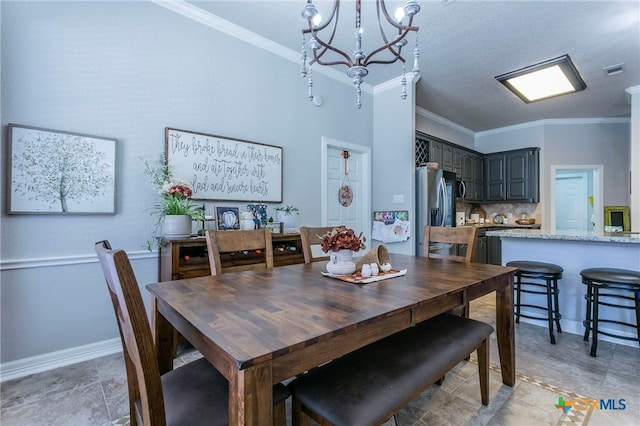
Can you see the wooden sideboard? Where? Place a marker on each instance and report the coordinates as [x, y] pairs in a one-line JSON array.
[[188, 258]]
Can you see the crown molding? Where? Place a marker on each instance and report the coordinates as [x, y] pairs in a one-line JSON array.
[[438, 119], [633, 90], [556, 122], [190, 11]]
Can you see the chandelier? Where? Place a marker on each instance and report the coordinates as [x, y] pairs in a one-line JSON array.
[[357, 63]]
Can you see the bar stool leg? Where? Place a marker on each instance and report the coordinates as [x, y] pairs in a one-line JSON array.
[[550, 311], [518, 278], [556, 309], [587, 322], [638, 314], [594, 334]]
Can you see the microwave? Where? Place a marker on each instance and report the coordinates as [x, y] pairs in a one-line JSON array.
[[461, 189]]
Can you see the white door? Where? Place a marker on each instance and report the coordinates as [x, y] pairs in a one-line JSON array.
[[572, 202], [358, 214]]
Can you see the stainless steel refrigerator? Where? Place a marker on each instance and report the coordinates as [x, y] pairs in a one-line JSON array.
[[435, 200]]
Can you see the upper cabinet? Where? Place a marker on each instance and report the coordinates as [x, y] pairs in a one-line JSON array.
[[509, 176], [513, 176]]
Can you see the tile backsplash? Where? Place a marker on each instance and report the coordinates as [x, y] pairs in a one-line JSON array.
[[516, 209]]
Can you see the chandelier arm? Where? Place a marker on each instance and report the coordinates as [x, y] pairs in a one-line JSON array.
[[317, 56], [388, 46]]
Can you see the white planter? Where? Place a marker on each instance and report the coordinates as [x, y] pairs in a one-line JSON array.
[[341, 262], [288, 219], [176, 226]]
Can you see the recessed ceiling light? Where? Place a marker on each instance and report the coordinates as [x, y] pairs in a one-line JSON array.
[[554, 77]]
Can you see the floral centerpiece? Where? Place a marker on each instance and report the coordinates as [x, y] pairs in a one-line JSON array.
[[342, 238], [176, 198], [340, 243]]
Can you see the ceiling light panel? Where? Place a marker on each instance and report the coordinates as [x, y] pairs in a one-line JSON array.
[[554, 77]]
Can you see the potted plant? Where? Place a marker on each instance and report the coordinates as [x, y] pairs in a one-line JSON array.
[[286, 215], [340, 243], [175, 210]]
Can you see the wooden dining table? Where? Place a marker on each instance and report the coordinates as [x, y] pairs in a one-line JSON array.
[[264, 326]]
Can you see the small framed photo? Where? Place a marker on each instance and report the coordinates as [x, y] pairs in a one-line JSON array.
[[58, 172], [259, 212], [227, 218]]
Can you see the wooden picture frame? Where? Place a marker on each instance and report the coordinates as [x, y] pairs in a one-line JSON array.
[[222, 168], [58, 172], [617, 216], [227, 218]]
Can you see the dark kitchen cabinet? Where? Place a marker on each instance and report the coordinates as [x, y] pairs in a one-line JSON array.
[[481, 250], [472, 174], [457, 155], [435, 152], [478, 178], [494, 177], [447, 157], [494, 250], [513, 176]]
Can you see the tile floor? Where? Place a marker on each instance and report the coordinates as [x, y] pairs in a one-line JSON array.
[[94, 392]]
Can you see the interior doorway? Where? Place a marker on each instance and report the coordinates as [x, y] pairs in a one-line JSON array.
[[357, 215], [577, 198]]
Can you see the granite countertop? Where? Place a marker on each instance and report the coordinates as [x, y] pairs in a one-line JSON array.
[[546, 234], [491, 226]]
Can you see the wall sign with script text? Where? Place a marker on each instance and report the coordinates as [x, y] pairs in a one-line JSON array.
[[221, 168]]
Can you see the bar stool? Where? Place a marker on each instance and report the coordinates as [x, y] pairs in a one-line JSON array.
[[621, 281], [550, 273]]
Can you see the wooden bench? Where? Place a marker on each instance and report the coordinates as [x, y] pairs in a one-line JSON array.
[[371, 384]]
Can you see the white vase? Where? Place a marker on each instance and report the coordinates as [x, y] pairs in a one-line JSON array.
[[288, 219], [176, 226], [341, 262]]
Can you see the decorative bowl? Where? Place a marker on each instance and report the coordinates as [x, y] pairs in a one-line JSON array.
[[529, 221]]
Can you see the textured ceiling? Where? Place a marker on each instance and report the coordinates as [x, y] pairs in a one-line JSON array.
[[465, 44]]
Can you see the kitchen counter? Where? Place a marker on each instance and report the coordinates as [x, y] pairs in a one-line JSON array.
[[574, 251], [496, 226], [545, 234]]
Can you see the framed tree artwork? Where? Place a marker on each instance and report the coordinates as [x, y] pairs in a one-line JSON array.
[[58, 172]]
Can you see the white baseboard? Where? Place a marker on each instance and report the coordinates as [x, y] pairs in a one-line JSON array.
[[37, 364], [576, 327]]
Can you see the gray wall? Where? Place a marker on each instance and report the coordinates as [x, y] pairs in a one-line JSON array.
[[127, 70], [570, 142]]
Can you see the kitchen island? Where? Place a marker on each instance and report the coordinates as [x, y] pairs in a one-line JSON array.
[[575, 251]]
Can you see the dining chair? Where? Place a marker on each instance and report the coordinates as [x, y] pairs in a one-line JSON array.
[[241, 250], [193, 394], [441, 242], [438, 239], [311, 237]]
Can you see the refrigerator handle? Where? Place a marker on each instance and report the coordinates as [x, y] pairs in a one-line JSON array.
[[445, 204]]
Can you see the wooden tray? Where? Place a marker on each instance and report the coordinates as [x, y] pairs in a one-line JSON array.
[[357, 279]]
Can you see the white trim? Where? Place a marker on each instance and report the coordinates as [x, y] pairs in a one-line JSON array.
[[633, 90], [576, 327], [365, 151], [37, 364], [598, 191], [7, 265], [556, 121], [190, 11], [438, 119]]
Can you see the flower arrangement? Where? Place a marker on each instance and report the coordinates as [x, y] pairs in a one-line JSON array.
[[342, 238], [176, 196], [176, 193]]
